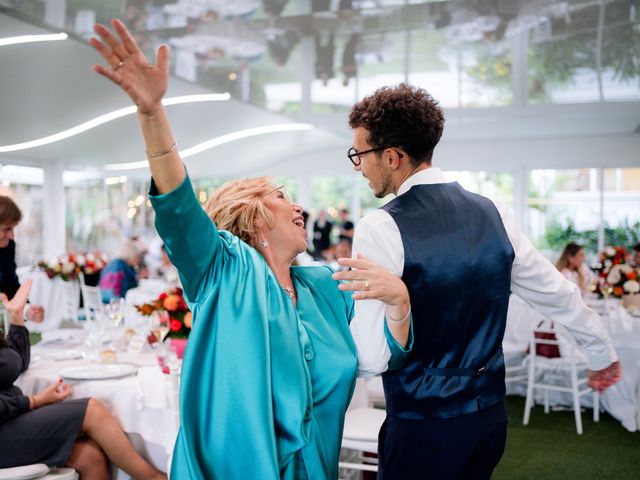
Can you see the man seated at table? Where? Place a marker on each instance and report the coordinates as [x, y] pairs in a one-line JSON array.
[[10, 216]]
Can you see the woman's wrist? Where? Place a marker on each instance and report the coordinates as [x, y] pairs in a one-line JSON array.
[[16, 318], [400, 320], [398, 313]]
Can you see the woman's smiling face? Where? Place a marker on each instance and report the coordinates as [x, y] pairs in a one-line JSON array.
[[288, 224]]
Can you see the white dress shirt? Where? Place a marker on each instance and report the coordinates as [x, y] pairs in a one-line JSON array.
[[533, 278]]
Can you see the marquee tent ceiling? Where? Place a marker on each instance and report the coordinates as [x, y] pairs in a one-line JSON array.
[[49, 87]]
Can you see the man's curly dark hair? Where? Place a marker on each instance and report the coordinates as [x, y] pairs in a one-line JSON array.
[[403, 116]]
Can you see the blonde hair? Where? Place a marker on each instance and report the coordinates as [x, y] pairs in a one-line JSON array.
[[129, 252], [238, 207]]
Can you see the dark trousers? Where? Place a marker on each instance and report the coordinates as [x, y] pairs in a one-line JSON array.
[[465, 447]]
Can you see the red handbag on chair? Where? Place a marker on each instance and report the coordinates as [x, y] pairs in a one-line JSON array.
[[544, 349]]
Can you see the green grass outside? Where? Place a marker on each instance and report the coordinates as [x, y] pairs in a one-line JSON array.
[[549, 448]]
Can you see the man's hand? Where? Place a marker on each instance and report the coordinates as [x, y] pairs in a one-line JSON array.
[[35, 313], [600, 380]]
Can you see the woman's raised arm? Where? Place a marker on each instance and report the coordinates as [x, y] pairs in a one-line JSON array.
[[145, 84]]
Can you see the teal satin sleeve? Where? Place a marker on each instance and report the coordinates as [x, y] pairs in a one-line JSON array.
[[399, 353], [190, 237]]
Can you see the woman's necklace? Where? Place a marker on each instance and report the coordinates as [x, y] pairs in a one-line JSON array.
[[290, 292]]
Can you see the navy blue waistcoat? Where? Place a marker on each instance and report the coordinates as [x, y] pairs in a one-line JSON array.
[[457, 267]]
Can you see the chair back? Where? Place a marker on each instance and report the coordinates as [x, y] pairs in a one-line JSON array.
[[92, 298], [359, 438], [547, 339], [566, 373], [70, 301]]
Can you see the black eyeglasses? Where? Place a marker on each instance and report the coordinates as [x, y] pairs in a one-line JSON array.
[[356, 156]]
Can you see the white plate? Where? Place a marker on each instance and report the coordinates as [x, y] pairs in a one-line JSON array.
[[59, 355], [26, 472], [97, 371]]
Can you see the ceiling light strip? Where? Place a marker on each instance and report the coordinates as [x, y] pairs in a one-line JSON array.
[[217, 141], [49, 37], [83, 127]]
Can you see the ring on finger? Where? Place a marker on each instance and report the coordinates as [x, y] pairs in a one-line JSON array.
[[120, 64], [366, 285]]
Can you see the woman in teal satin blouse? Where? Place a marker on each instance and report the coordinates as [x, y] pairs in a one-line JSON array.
[[270, 365]]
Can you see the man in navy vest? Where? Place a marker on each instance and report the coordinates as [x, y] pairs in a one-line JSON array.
[[460, 257]]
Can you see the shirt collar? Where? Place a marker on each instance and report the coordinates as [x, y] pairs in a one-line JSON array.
[[423, 177]]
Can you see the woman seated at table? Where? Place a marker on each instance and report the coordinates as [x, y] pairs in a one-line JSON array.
[[165, 270], [41, 428], [571, 265], [270, 364], [119, 276]]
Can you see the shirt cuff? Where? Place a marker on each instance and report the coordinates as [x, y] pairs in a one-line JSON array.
[[398, 353], [600, 361], [179, 201], [23, 404], [179, 191]]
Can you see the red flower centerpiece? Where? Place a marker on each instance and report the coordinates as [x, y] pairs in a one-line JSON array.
[[64, 267], [70, 265], [174, 315]]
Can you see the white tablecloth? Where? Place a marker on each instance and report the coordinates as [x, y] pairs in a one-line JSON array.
[[124, 397], [620, 401], [148, 289]]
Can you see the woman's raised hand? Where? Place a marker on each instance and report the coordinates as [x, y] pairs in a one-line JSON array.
[[145, 83], [15, 306]]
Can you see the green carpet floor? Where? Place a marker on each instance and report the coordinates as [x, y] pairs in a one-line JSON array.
[[549, 448]]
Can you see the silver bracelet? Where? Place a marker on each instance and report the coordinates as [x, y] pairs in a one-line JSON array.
[[403, 319], [171, 149]]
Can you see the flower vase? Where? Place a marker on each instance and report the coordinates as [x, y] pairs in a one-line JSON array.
[[632, 302], [92, 279], [178, 345]]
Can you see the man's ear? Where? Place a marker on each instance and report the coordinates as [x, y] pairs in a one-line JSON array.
[[394, 158]]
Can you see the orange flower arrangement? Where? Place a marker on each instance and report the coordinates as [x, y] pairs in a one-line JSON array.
[[172, 306]]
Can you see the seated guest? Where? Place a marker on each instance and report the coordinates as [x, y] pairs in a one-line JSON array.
[[635, 256], [10, 216], [571, 265], [119, 276], [42, 428]]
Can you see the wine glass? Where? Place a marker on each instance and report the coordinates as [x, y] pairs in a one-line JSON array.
[[115, 312], [159, 325]]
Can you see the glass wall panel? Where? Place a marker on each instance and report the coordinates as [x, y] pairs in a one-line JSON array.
[[564, 206]]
